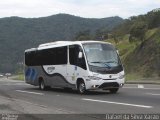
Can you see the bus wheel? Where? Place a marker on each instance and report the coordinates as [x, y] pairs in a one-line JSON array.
[[113, 90], [42, 85], [81, 87]]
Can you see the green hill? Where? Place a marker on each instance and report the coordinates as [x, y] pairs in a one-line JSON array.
[[139, 45], [144, 60], [18, 34]]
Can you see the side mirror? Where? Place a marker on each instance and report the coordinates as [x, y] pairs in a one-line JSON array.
[[80, 55], [118, 52]]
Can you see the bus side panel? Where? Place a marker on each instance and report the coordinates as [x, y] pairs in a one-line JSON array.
[[74, 72], [56, 75], [53, 75]]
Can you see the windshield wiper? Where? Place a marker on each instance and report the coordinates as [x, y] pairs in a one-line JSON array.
[[105, 63], [111, 62]]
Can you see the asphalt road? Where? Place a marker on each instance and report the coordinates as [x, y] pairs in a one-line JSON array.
[[17, 97]]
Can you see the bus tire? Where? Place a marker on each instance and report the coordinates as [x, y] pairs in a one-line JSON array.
[[81, 87], [113, 90], [42, 85]]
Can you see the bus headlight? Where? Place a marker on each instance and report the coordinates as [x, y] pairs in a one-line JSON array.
[[121, 76], [94, 78]]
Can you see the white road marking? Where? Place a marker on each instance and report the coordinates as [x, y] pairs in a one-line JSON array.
[[140, 86], [152, 88], [9, 84], [153, 94], [129, 87], [118, 103], [30, 92]]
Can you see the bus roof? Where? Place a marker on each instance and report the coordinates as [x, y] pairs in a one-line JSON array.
[[31, 49], [62, 43]]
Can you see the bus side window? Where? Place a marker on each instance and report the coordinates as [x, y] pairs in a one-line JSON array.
[[73, 55]]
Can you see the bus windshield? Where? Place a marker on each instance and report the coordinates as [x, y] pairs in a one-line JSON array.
[[101, 55]]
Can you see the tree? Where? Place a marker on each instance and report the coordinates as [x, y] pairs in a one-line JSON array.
[[83, 35], [101, 34], [153, 19], [138, 30]]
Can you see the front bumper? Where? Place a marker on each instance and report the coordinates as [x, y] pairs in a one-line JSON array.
[[104, 84]]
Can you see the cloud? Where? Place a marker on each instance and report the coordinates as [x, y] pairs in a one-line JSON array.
[[83, 8]]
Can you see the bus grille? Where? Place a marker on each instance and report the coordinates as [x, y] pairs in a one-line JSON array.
[[109, 85], [109, 79]]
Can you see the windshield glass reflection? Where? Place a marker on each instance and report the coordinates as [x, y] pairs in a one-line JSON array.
[[101, 55]]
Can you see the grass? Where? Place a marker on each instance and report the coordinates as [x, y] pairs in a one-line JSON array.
[[150, 33], [18, 77], [133, 77], [21, 77], [153, 34], [157, 37]]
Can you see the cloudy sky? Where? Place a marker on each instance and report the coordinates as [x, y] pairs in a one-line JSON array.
[[83, 8]]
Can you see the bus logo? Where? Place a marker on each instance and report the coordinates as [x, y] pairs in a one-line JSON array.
[[110, 76], [50, 69]]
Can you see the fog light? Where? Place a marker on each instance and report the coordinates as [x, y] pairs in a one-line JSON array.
[[95, 86], [121, 85]]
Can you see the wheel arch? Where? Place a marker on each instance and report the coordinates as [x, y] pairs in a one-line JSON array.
[[78, 81], [40, 79]]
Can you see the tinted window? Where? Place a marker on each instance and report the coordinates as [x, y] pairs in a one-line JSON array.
[[30, 58], [61, 55], [53, 56]]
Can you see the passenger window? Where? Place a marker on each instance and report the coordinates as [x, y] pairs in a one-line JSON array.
[[52, 56], [73, 56]]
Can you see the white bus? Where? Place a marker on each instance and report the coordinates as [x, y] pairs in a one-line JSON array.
[[83, 65]]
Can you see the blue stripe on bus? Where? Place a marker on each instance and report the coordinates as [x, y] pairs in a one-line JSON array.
[[31, 74], [34, 74]]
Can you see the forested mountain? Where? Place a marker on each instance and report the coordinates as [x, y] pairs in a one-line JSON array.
[[18, 34], [137, 25]]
